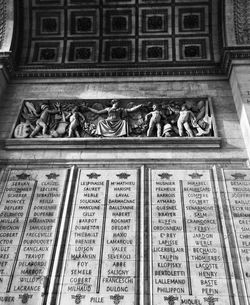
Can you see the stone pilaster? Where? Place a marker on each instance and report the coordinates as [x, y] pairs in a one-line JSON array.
[[240, 83]]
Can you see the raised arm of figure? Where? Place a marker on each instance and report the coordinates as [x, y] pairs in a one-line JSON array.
[[98, 111], [82, 116], [134, 108], [68, 116], [174, 110]]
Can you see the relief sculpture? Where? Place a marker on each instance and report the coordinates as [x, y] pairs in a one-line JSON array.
[[114, 125], [115, 118]]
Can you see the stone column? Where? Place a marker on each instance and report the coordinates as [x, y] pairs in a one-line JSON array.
[[240, 83]]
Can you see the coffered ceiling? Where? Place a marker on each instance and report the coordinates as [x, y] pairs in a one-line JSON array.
[[119, 36]]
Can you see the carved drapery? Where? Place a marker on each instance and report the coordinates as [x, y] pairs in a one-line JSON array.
[[242, 21]]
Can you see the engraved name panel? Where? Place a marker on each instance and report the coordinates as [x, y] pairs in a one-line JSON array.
[[102, 249], [238, 194], [187, 260], [30, 206]]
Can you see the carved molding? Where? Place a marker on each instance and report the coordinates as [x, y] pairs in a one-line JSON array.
[[3, 19], [113, 143], [242, 21], [232, 54], [41, 73]]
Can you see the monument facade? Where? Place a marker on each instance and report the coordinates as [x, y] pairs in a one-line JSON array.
[[124, 157]]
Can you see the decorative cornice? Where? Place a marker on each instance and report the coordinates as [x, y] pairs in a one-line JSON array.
[[242, 21], [231, 54], [228, 56], [3, 18], [184, 71]]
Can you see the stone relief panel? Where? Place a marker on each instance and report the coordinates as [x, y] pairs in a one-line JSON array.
[[157, 118]]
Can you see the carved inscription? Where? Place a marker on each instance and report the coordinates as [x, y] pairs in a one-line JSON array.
[[187, 265], [238, 194], [100, 262], [101, 258], [29, 217]]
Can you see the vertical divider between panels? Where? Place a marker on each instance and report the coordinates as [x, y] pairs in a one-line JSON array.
[[222, 231], [63, 238], [141, 237], [148, 238]]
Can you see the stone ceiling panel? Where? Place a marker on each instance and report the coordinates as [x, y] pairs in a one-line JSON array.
[[124, 34]]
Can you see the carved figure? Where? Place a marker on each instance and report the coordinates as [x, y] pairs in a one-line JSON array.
[[114, 125], [76, 118], [42, 122], [185, 117], [155, 120]]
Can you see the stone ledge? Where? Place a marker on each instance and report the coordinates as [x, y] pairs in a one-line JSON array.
[[112, 143]]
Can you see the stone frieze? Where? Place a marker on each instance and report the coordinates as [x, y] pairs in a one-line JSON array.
[[141, 118]]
